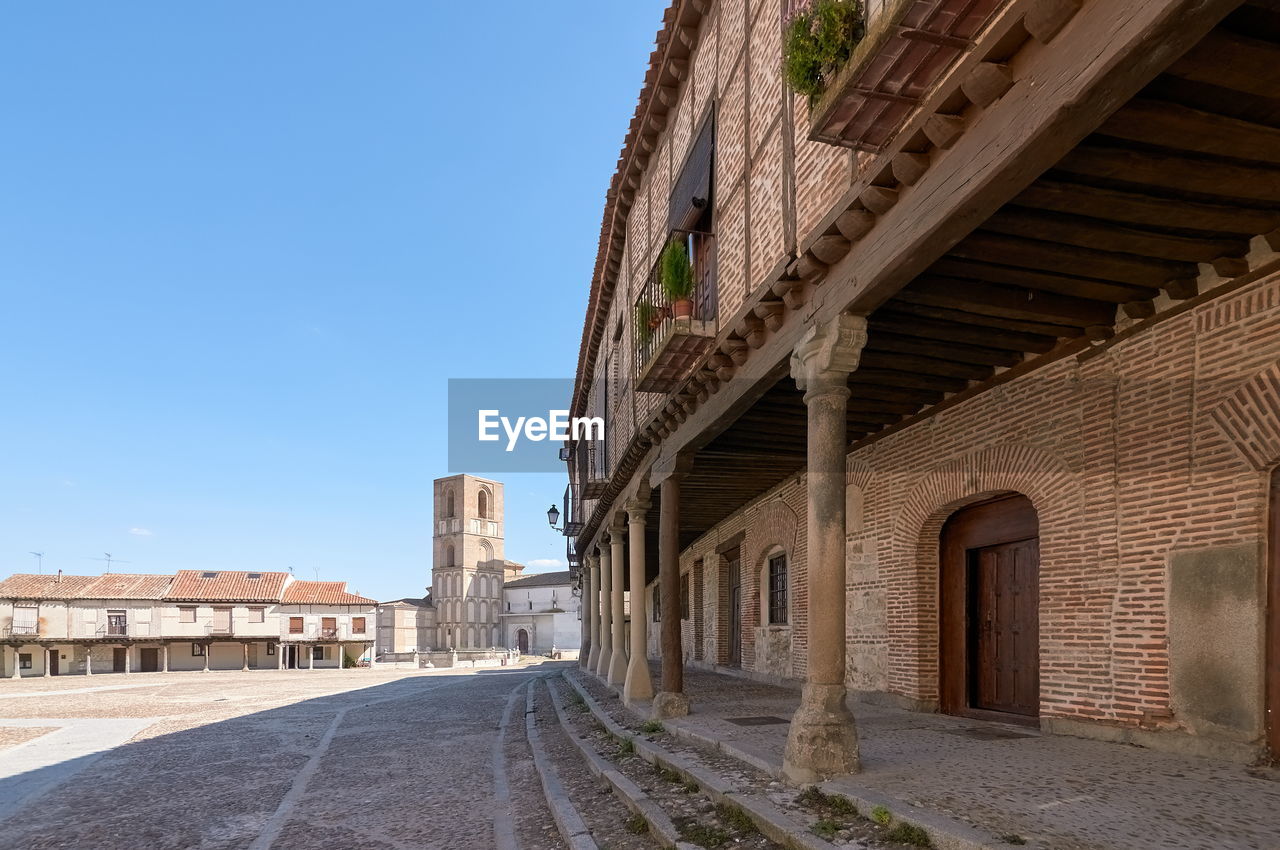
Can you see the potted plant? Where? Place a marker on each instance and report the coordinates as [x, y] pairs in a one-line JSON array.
[[647, 319], [818, 41], [677, 278]]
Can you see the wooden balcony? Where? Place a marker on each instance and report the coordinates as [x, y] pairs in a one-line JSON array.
[[667, 346], [909, 46]]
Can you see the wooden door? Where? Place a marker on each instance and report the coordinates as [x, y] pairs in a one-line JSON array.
[[735, 611], [149, 660], [117, 659], [53, 662], [1005, 639], [989, 630], [1273, 622], [522, 641]]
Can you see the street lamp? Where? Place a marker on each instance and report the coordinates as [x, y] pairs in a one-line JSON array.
[[553, 516]]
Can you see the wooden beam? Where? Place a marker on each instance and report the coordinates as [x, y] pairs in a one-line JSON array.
[[1158, 122], [1010, 302], [1231, 61], [1109, 236], [1146, 210], [987, 83], [878, 340], [1174, 173], [924, 365], [1054, 257], [915, 380], [903, 324], [1052, 329], [1082, 287], [943, 130]]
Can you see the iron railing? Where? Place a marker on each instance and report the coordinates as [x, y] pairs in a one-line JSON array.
[[653, 314]]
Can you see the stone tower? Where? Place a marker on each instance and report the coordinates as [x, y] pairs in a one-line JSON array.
[[467, 568]]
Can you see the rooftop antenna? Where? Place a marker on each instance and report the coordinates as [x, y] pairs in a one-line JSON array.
[[110, 560], [39, 561], [291, 571], [317, 572]]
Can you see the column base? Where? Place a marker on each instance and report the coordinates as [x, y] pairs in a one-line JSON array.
[[601, 667], [593, 660], [638, 686], [670, 704], [584, 659], [618, 668], [822, 741]]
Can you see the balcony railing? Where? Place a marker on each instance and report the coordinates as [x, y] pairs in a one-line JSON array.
[[22, 630], [667, 345]]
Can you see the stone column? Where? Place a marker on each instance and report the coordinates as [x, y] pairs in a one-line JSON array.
[[822, 742], [244, 649], [618, 660], [606, 611], [584, 615], [670, 701], [88, 660], [280, 651], [208, 649], [639, 684], [128, 667], [164, 658], [591, 605], [17, 662], [311, 658], [47, 666]]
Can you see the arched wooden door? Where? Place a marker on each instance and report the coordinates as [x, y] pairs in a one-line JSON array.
[[990, 620], [522, 641]]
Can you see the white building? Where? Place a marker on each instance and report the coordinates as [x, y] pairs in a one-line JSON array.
[[193, 620], [541, 614]]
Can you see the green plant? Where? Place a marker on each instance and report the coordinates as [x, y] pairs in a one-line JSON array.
[[881, 815], [1013, 838], [645, 318], [689, 787], [736, 819], [826, 829], [676, 275], [704, 835], [907, 833], [626, 747], [637, 825], [817, 43], [652, 727]]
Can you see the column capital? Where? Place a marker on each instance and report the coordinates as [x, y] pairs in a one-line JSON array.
[[675, 468], [827, 353], [636, 509], [618, 534]]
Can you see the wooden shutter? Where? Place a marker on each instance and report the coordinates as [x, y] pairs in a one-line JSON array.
[[692, 193]]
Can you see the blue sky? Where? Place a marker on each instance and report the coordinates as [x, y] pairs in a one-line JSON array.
[[244, 245]]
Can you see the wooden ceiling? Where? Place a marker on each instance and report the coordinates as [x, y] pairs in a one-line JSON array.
[[1185, 173]]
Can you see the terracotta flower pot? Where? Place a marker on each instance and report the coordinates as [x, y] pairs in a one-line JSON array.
[[682, 309]]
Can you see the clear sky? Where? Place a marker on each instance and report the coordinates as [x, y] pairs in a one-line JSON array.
[[243, 246]]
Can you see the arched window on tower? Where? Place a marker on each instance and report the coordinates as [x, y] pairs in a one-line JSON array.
[[449, 555], [482, 502], [486, 552], [448, 503]]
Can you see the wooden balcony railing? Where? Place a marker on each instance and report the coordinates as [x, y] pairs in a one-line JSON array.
[[667, 345]]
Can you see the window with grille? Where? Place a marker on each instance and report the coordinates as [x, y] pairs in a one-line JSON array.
[[778, 590], [657, 604], [684, 596]]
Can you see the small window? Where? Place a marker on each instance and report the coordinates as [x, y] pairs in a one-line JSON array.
[[357, 625], [530, 604], [482, 505], [186, 614], [317, 652], [508, 606], [24, 661], [197, 650], [271, 649], [257, 615], [778, 590], [295, 625], [208, 575], [684, 596], [254, 575]]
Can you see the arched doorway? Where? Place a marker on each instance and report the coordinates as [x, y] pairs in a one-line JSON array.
[[522, 641], [990, 621]]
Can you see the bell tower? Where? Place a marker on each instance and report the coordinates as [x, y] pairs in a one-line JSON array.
[[467, 561]]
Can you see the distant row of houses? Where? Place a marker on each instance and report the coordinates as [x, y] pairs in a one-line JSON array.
[[191, 620]]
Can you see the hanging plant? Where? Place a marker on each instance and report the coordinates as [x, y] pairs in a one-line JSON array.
[[676, 275], [818, 42]]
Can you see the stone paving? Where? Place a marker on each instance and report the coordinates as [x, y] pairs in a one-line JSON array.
[[1066, 793], [266, 759]]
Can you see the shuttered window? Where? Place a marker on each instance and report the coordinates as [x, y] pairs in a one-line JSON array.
[[25, 618], [692, 196]]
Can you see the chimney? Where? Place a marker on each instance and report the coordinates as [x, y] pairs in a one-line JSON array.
[[59, 577]]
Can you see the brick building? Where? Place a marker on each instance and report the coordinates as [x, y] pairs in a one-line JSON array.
[[53, 625], [977, 406]]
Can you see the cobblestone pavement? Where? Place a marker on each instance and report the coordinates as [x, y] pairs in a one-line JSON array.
[[281, 760], [1065, 792]]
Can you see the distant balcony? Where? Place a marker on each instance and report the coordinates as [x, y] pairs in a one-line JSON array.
[[22, 630], [667, 344], [326, 634]]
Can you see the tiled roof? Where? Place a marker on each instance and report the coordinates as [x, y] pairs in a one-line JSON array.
[[27, 586], [322, 593], [540, 580], [226, 586], [417, 602]]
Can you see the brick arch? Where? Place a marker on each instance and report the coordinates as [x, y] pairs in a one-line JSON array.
[[1250, 418], [911, 564], [857, 474], [775, 524]]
